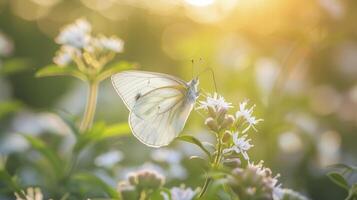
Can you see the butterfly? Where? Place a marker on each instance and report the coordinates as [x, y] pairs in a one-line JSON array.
[[159, 104]]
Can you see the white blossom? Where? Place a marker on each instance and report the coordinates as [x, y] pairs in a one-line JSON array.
[[166, 155], [180, 193], [215, 101], [246, 114], [109, 43], [284, 193], [109, 159], [64, 55], [76, 35], [240, 145]]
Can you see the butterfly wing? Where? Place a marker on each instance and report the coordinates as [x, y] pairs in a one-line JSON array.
[[130, 85], [158, 105], [160, 116]]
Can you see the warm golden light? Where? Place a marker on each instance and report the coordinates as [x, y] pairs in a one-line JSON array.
[[200, 2]]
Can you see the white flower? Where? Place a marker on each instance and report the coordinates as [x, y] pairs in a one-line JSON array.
[[76, 35], [109, 43], [252, 121], [166, 155], [64, 55], [180, 193], [31, 194], [6, 46], [215, 101], [109, 159], [283, 193], [246, 113], [278, 193], [240, 145], [271, 181]]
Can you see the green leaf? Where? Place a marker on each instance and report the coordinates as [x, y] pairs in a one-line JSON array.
[[338, 179], [100, 132], [54, 70], [94, 180], [193, 140], [70, 122], [115, 68], [9, 107], [10, 182], [347, 168], [47, 153], [352, 193], [15, 65], [120, 129]]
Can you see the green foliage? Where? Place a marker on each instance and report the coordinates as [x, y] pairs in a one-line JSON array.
[[100, 131], [341, 180], [53, 159], [54, 70], [8, 107], [11, 183], [338, 179], [96, 182], [14, 65]]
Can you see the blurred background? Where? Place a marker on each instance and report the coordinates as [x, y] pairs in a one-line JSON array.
[[296, 60]]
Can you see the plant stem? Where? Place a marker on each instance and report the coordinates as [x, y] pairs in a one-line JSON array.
[[90, 107], [215, 164]]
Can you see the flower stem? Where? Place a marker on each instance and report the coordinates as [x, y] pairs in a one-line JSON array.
[[90, 107], [215, 165]]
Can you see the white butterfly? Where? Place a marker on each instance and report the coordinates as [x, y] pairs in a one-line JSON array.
[[159, 104]]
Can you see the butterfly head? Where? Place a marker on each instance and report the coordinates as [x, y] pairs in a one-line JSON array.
[[193, 91]]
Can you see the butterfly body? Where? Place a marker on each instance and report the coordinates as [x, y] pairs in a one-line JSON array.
[[159, 104]]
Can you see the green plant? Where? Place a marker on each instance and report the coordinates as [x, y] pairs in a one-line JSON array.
[[340, 177]]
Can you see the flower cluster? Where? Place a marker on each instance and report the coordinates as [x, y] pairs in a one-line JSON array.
[[216, 107], [254, 182], [249, 181], [145, 184], [90, 53], [146, 179], [228, 125], [140, 183]]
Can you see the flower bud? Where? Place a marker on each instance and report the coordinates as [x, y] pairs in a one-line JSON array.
[[133, 179], [212, 124], [228, 121], [226, 137], [221, 113], [127, 191], [212, 111], [232, 163], [146, 179]]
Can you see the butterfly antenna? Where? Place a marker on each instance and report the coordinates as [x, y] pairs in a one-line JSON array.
[[208, 69]]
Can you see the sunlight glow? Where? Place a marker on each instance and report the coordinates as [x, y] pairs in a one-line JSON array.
[[200, 2]]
